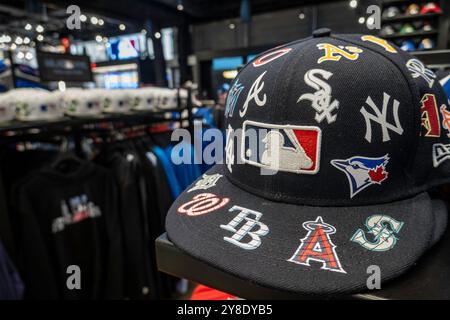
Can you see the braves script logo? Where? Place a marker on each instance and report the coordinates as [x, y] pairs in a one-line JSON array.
[[333, 53], [430, 116], [207, 181], [381, 118], [253, 94], [441, 152], [445, 119], [284, 147], [383, 230], [268, 57], [202, 203], [321, 99], [418, 69], [317, 246], [251, 228], [381, 42], [233, 96], [362, 172]]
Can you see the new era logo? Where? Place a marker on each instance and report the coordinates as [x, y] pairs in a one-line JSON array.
[[441, 152]]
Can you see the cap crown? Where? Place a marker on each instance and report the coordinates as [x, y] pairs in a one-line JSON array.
[[352, 120]]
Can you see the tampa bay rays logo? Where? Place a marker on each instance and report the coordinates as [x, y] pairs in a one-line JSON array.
[[383, 230], [362, 172], [233, 96], [317, 246], [321, 99]]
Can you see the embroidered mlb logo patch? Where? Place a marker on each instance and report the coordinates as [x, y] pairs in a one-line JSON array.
[[281, 147]]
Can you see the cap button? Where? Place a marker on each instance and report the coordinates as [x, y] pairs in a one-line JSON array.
[[322, 32]]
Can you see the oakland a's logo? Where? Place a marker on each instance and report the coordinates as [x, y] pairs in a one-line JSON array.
[[383, 230], [333, 53], [317, 246]]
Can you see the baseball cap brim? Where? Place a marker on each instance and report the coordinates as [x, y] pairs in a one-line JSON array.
[[273, 263]]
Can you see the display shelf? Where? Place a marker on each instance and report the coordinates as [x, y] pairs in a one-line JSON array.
[[411, 34], [426, 280], [14, 126], [409, 17]]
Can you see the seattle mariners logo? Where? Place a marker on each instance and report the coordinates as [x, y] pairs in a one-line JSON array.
[[321, 99], [363, 172], [233, 96], [383, 229], [317, 246]]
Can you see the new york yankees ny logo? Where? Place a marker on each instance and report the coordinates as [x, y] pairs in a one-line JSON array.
[[206, 182], [383, 230], [317, 246], [253, 94], [251, 228], [333, 53], [381, 118], [321, 99], [202, 203], [417, 69]]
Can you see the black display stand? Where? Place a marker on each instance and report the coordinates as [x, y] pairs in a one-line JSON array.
[[428, 279]]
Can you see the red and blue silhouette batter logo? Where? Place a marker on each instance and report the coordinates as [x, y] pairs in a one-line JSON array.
[[317, 246]]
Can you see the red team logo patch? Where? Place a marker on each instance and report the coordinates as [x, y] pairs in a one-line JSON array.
[[430, 116], [317, 246], [202, 203], [269, 57]]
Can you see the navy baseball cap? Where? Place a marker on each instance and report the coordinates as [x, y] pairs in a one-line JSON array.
[[332, 142]]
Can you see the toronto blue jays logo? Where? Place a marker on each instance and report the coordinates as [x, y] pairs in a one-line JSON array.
[[233, 96], [281, 147], [362, 172]]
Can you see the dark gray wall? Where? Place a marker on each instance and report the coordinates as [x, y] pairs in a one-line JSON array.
[[275, 28]]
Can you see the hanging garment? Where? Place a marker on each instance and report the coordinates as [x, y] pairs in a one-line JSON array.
[[69, 227], [11, 286]]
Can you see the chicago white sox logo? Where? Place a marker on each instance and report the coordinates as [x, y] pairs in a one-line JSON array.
[[253, 93], [321, 99], [383, 237], [317, 246], [247, 229], [202, 203], [380, 118]]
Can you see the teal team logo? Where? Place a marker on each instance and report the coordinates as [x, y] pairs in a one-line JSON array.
[[383, 230], [232, 98]]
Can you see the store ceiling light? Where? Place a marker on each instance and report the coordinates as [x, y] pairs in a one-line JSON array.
[[353, 3], [26, 40], [157, 35], [361, 20], [28, 27], [180, 7], [39, 28], [40, 37], [122, 27], [4, 38], [20, 55], [101, 22], [29, 56], [98, 38], [13, 46], [83, 18], [232, 26], [18, 40], [301, 16], [94, 20]]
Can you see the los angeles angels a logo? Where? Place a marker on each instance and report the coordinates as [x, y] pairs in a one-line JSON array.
[[317, 246]]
